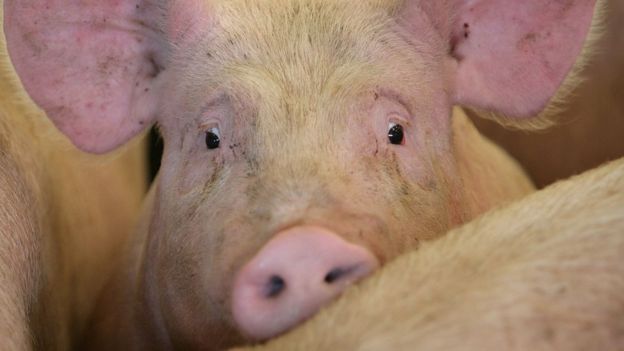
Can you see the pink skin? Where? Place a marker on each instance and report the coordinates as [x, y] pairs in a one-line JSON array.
[[532, 40], [303, 116], [334, 196], [293, 275]]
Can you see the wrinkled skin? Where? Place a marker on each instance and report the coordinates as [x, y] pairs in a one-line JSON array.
[[302, 95], [64, 216], [515, 278]]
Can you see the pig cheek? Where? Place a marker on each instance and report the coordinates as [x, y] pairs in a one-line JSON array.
[[216, 232], [192, 172], [432, 196], [189, 250], [195, 280], [416, 198]]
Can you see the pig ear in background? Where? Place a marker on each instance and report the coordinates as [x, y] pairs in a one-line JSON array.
[[93, 66], [512, 56]]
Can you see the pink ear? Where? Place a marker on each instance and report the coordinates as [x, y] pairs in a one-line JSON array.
[[93, 66], [514, 55]]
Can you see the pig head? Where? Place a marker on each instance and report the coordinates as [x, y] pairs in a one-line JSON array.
[[306, 142]]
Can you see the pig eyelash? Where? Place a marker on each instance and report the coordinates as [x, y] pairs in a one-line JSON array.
[[396, 134], [213, 138]]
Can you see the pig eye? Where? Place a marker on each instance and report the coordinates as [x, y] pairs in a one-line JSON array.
[[213, 138], [395, 134]]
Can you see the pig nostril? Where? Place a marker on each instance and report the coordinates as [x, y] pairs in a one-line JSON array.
[[336, 273], [276, 286]]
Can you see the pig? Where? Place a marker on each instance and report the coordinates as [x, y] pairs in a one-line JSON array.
[[63, 218], [588, 130], [544, 273], [306, 143]]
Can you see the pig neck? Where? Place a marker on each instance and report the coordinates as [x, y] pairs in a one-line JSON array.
[[79, 209], [490, 176]]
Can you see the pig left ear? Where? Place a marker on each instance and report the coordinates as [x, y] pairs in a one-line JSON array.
[[93, 66], [513, 56]]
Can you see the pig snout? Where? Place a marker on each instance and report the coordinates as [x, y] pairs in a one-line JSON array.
[[293, 276]]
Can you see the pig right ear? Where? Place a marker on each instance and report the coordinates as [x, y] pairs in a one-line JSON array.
[[93, 66], [511, 56]]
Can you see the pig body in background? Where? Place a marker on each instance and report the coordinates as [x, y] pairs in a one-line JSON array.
[[63, 218], [589, 129], [544, 273], [306, 142]]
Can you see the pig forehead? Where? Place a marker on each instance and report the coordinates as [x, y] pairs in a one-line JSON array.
[[303, 47], [261, 15]]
